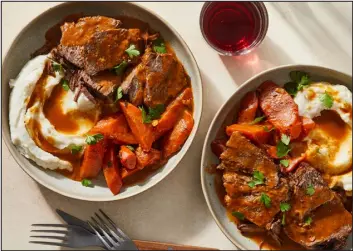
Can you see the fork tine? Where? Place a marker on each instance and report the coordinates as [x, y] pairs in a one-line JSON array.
[[49, 231], [50, 243], [114, 226], [104, 232], [111, 231], [63, 238], [99, 236], [49, 225]]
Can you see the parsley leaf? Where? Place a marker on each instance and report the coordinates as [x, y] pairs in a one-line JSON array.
[[131, 148], [258, 179], [284, 206], [119, 93], [283, 220], [145, 118], [57, 67], [87, 183], [266, 200], [257, 120], [239, 215], [327, 100], [310, 190], [285, 139], [159, 46], [266, 129], [282, 149], [308, 221], [65, 84], [153, 113], [120, 69], [284, 162], [131, 51], [93, 139], [299, 81], [75, 149]]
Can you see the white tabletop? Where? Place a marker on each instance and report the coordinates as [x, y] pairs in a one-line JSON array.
[[175, 209]]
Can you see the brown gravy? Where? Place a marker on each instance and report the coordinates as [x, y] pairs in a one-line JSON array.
[[332, 124]]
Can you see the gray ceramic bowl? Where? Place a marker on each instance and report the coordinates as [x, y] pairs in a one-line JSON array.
[[225, 116], [32, 37]]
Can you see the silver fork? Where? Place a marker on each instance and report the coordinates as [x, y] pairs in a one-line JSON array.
[[71, 236], [113, 238]]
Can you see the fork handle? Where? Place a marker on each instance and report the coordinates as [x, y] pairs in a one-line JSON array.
[[150, 245]]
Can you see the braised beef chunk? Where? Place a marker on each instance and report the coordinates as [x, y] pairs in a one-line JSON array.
[[240, 160], [96, 43], [103, 84], [159, 78], [317, 219]]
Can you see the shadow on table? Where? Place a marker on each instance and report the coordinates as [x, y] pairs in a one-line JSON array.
[[266, 56], [173, 210]]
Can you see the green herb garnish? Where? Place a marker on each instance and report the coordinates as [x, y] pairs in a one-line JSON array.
[[239, 215], [65, 84], [308, 221], [310, 190], [86, 183], [282, 146], [283, 219], [266, 129], [285, 139], [266, 200], [257, 120], [159, 46], [284, 162], [258, 179], [153, 113], [93, 139], [327, 100], [120, 69], [57, 67], [299, 81], [119, 93], [131, 51], [284, 206], [75, 149]]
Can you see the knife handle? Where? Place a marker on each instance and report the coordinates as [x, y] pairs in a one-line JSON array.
[[150, 245]]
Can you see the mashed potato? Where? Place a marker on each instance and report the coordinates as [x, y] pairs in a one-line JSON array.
[[329, 144], [33, 120]]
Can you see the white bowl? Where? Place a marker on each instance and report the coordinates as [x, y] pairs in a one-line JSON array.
[[225, 116], [32, 37]]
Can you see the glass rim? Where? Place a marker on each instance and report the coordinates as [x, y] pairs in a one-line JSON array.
[[264, 22]]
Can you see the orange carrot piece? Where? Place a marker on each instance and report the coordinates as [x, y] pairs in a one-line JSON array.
[[177, 137], [147, 158], [111, 171], [92, 160], [248, 108], [173, 112], [142, 132], [294, 163], [127, 173], [127, 157], [252, 132], [115, 127], [280, 109]]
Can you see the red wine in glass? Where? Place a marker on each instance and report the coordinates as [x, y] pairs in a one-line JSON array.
[[234, 28]]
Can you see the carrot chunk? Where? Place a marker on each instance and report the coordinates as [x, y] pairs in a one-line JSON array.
[[177, 137], [173, 112], [116, 128], [142, 132], [92, 160], [255, 133], [147, 158], [111, 171], [248, 108], [280, 109], [127, 157]]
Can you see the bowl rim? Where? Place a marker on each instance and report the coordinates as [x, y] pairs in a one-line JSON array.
[[210, 129], [14, 152]]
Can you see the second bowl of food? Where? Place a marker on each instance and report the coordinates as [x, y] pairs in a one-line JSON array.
[[276, 165], [103, 95]]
